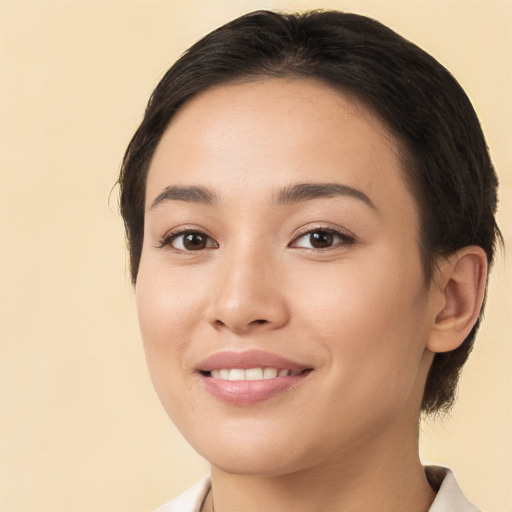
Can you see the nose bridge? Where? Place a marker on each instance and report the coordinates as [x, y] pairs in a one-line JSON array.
[[248, 295]]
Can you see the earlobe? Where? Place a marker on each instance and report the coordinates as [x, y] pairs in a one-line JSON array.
[[461, 282]]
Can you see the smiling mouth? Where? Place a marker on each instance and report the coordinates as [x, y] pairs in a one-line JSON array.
[[253, 374], [250, 377]]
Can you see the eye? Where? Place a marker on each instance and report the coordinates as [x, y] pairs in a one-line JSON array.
[[190, 240], [322, 239]]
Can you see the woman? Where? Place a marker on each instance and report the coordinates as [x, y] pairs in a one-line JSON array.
[[309, 205]]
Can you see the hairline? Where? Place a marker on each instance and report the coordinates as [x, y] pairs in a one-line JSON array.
[[404, 154]]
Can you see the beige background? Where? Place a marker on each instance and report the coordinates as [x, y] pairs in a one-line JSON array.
[[80, 427]]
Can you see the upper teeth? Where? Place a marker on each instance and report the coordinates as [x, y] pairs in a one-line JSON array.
[[250, 374]]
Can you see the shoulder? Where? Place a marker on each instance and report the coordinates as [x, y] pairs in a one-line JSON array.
[[191, 500], [449, 496]]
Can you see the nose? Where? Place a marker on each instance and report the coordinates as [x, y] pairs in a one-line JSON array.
[[248, 295]]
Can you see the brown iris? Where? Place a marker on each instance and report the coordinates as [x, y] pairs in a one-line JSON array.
[[321, 239], [194, 241]]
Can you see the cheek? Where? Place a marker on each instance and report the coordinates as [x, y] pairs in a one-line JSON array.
[[167, 303], [167, 307], [353, 296], [374, 323]]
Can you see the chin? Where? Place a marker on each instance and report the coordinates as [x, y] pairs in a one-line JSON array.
[[257, 465], [261, 454]]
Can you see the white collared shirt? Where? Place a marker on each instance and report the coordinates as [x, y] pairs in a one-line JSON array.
[[449, 497]]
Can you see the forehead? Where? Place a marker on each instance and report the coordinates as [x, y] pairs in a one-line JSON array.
[[267, 134]]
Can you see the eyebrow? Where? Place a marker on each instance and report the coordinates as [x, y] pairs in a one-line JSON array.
[[191, 194], [309, 191], [290, 194]]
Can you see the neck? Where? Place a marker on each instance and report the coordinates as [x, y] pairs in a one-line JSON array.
[[386, 476]]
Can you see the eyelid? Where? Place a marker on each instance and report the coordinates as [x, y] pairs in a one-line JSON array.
[[348, 238], [167, 239]]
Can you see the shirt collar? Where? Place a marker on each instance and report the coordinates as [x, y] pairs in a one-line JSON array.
[[449, 497]]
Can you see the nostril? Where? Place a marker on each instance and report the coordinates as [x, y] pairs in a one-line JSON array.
[[260, 321]]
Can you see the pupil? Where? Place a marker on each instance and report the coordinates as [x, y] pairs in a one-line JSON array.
[[321, 239], [194, 242]]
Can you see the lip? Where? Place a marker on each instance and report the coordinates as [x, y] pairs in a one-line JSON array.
[[248, 359], [248, 392]]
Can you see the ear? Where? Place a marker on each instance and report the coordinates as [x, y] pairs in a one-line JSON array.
[[461, 281]]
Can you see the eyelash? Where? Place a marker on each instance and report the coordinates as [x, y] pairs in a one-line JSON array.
[[168, 239], [344, 239]]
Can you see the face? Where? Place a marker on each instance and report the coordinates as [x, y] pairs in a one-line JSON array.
[[280, 293]]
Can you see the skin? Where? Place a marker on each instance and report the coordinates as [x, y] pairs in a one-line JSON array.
[[358, 312]]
